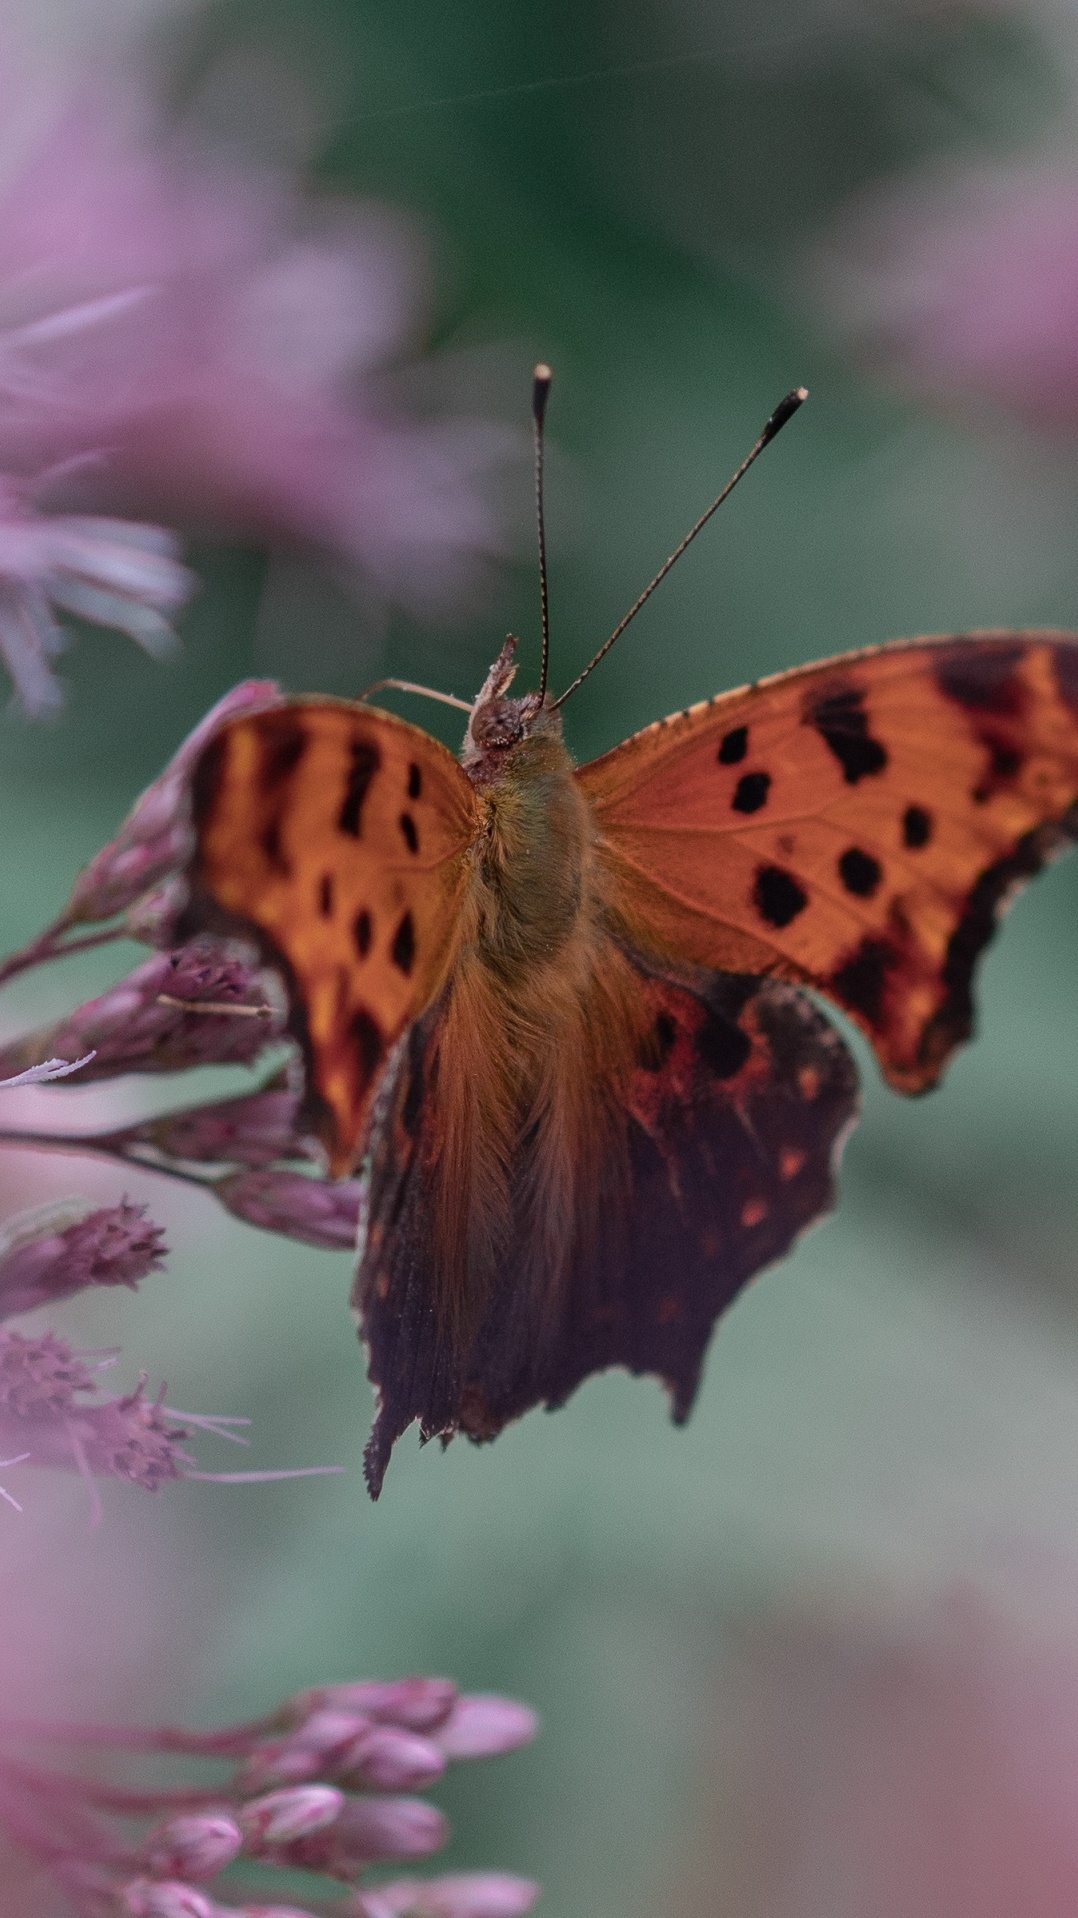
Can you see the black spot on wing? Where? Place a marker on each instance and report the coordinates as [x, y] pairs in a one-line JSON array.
[[733, 746], [722, 1045], [408, 831], [362, 932], [657, 1044], [364, 761], [415, 781], [751, 792], [859, 872], [1003, 764], [402, 951], [282, 743], [916, 827], [270, 841], [860, 983], [982, 677], [368, 1041], [325, 895], [777, 896], [840, 719]]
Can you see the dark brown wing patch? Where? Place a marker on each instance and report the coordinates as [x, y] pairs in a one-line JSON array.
[[732, 1117]]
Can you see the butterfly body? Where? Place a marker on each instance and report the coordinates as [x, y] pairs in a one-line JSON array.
[[555, 1011]]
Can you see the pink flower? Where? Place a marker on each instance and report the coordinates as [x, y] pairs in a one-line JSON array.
[[198, 1005], [52, 1415], [967, 285], [54, 1251]]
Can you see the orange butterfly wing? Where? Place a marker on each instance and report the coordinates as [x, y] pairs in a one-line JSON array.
[[857, 825], [338, 836]]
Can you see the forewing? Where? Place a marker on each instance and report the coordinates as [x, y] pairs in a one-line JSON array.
[[731, 1120], [858, 824], [338, 836]]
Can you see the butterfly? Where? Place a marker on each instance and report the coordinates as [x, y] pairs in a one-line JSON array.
[[557, 1014]]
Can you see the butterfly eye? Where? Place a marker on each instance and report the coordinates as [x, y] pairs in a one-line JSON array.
[[501, 722]]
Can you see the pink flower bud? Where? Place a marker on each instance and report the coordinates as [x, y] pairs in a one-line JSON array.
[[265, 1911], [417, 1704], [368, 1832], [252, 1130], [55, 1251], [322, 1212], [481, 1725], [155, 838], [385, 1758], [193, 1845], [281, 1816], [311, 1751], [165, 1898], [150, 1021], [480, 1894]]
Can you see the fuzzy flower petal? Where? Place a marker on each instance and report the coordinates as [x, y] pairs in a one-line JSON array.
[[104, 570], [48, 1069]]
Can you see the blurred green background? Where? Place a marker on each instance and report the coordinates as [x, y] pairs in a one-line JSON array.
[[631, 191]]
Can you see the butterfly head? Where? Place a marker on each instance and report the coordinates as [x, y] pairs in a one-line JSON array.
[[497, 723]]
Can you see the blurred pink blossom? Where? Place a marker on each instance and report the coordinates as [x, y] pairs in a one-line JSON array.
[[193, 340], [898, 1759], [966, 285]]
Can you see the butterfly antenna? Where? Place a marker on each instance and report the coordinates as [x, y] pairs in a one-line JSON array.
[[541, 379], [784, 411]]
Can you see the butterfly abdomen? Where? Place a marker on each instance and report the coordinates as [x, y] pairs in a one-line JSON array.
[[536, 1028]]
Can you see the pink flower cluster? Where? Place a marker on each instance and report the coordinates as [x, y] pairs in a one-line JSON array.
[[320, 1786], [51, 1412]]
